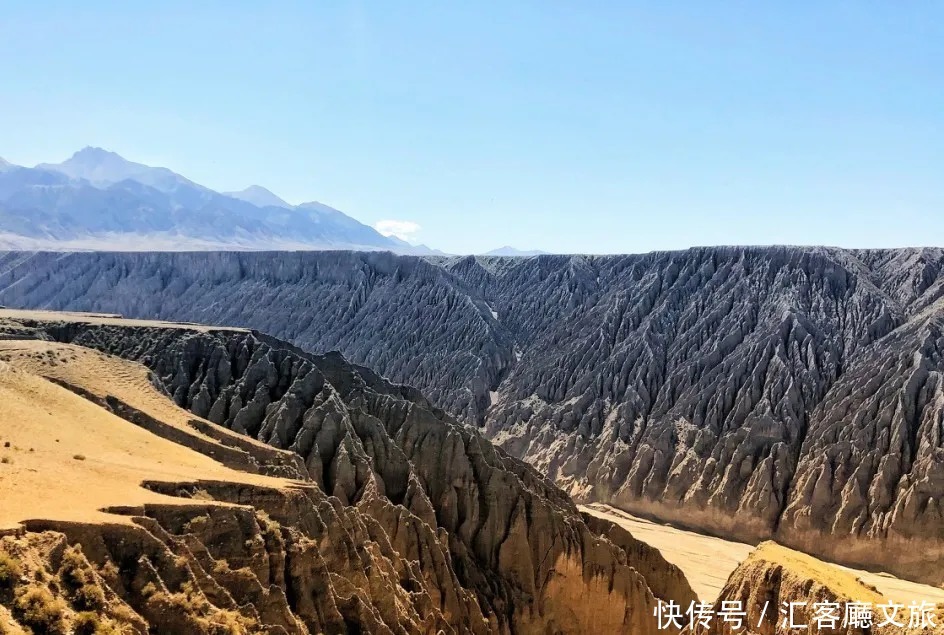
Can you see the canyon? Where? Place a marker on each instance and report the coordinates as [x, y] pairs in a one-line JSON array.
[[779, 393]]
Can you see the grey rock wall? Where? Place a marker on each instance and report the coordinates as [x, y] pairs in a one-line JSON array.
[[758, 392]]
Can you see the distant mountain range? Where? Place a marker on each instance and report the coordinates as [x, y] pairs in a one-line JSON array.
[[259, 196], [97, 200]]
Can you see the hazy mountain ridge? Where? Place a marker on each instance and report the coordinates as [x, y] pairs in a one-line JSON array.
[[103, 168], [259, 196], [98, 200], [783, 392]]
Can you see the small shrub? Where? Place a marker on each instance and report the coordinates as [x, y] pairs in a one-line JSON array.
[[190, 599], [148, 590], [123, 615], [10, 570], [186, 601], [89, 623], [75, 570], [197, 524], [109, 571], [232, 623], [89, 597], [5, 460], [86, 623], [78, 457], [36, 607], [271, 527]]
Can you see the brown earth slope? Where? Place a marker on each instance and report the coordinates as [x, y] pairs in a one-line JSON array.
[[341, 503], [773, 577]]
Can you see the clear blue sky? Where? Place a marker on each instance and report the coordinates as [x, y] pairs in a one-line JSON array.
[[575, 127]]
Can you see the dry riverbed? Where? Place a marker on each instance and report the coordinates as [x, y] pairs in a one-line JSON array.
[[707, 561]]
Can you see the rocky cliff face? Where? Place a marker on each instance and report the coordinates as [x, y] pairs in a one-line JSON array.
[[759, 392], [408, 319], [412, 522]]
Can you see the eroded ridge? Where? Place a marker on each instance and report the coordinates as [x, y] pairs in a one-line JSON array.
[[395, 519]]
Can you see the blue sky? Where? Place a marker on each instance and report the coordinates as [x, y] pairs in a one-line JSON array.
[[596, 127]]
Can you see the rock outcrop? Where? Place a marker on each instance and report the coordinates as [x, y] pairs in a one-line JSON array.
[[792, 393], [408, 521], [777, 591]]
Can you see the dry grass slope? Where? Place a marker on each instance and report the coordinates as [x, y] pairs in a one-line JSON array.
[[125, 513]]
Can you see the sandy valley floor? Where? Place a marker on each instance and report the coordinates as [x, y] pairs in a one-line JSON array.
[[708, 561]]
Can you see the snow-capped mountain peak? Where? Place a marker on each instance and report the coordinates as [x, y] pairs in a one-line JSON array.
[[96, 166], [97, 199], [259, 196], [102, 168]]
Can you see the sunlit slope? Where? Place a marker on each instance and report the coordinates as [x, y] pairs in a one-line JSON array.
[[66, 458]]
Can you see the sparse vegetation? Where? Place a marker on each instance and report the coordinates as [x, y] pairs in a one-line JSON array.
[[232, 623], [271, 531], [10, 570], [122, 614], [109, 571], [197, 524], [36, 607], [73, 566], [148, 590], [89, 596], [186, 602], [191, 602], [192, 599], [79, 578], [220, 567], [86, 623], [268, 523], [90, 623]]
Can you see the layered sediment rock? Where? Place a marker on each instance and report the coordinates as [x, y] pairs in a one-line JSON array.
[[792, 393], [411, 521]]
